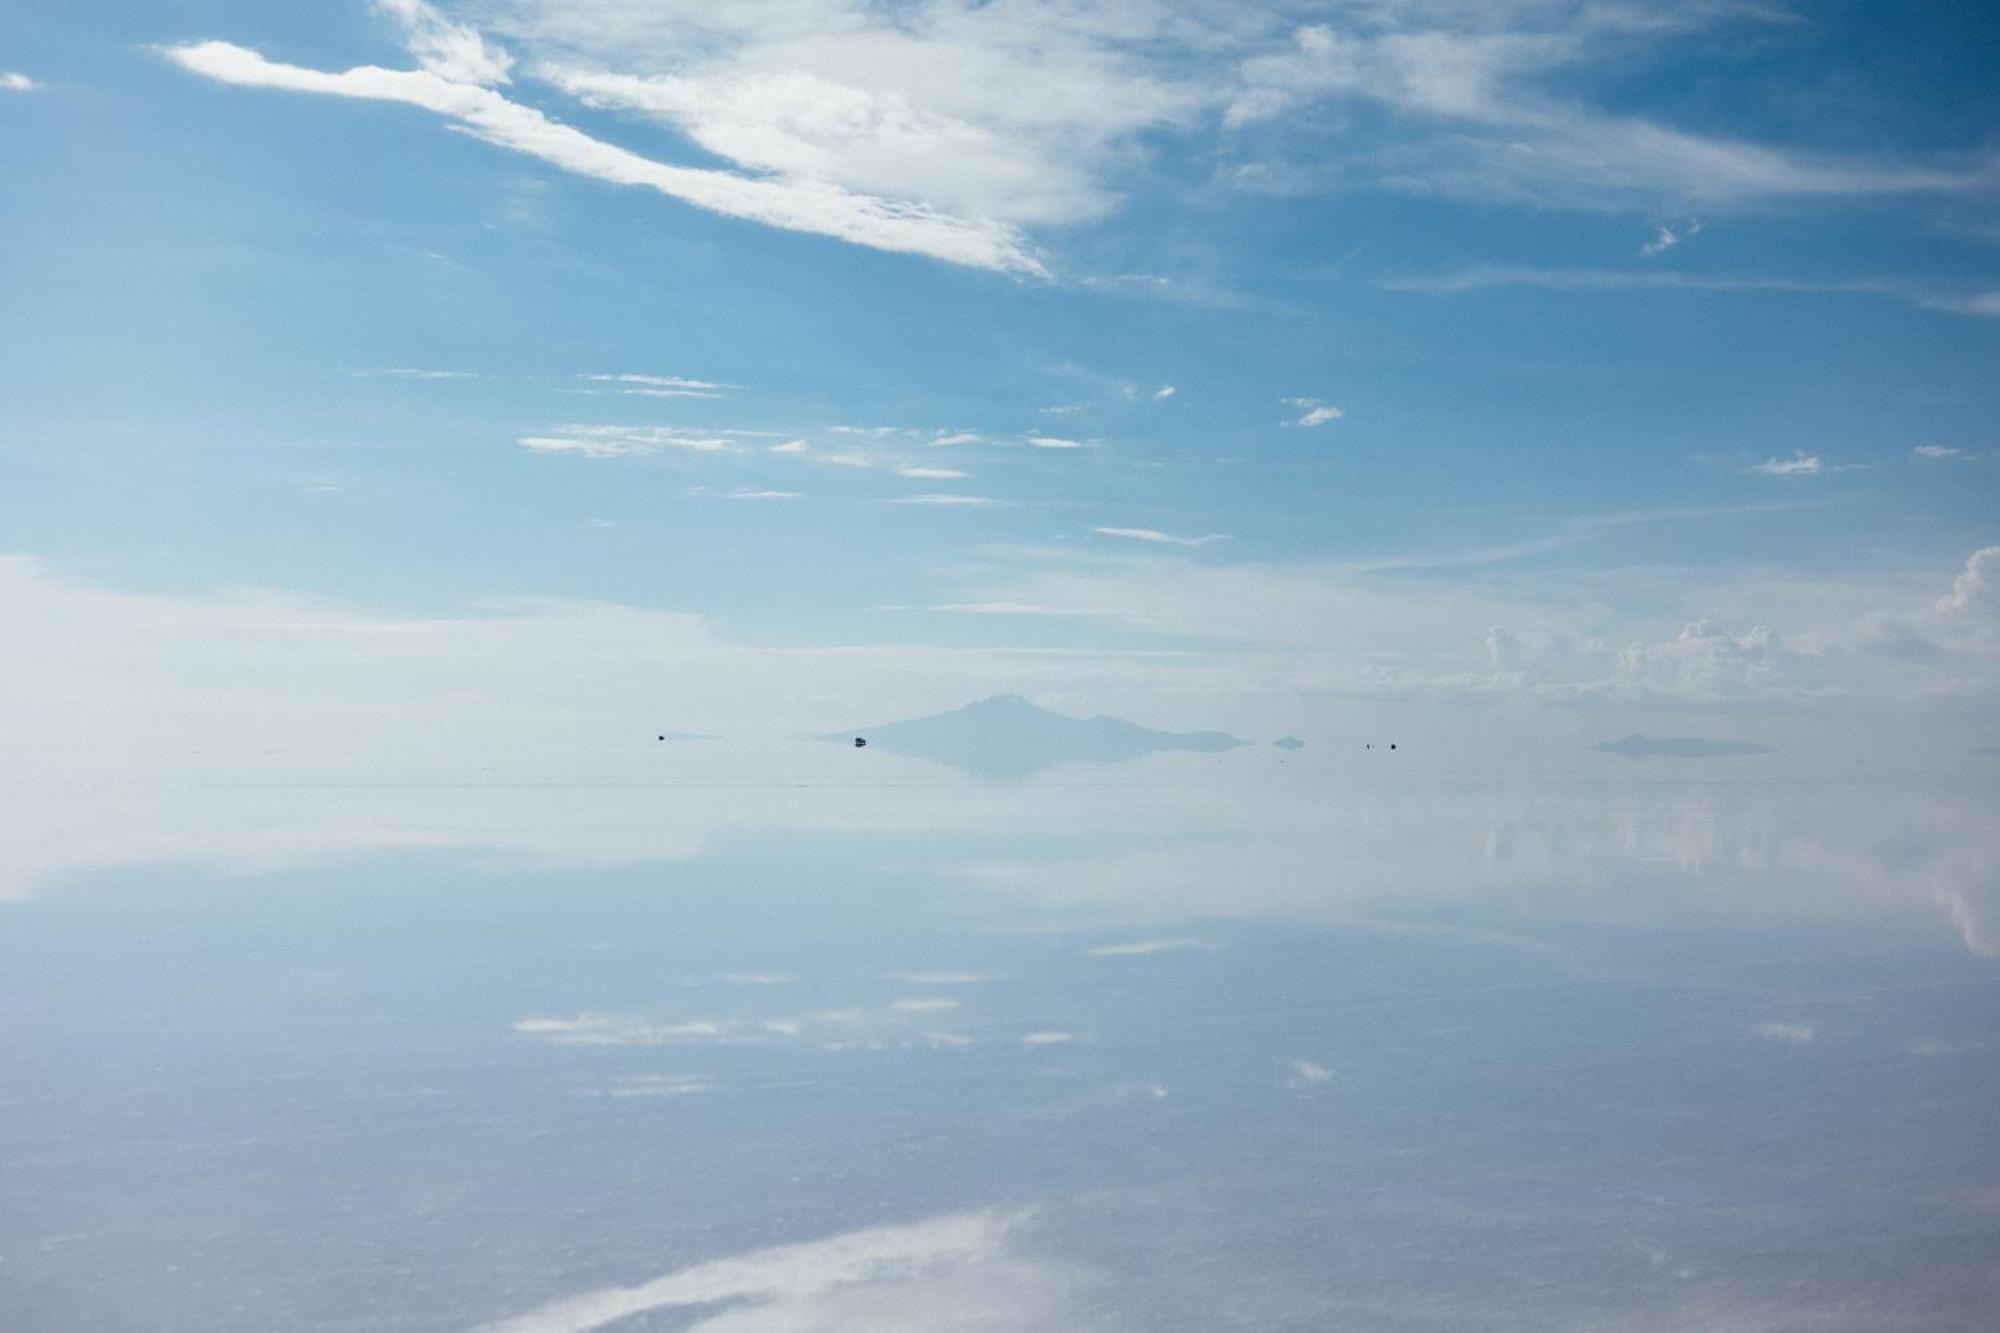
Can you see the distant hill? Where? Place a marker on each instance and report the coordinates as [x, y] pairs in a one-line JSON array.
[[1636, 746], [1008, 737]]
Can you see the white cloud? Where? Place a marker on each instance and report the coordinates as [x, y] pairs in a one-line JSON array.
[[414, 373], [1976, 590], [625, 441], [932, 473], [1164, 391], [752, 493], [1057, 442], [1048, 1038], [1986, 304], [1936, 451], [1160, 538], [1306, 1072], [789, 447], [1139, 948], [1788, 1034], [1476, 113], [941, 978], [618, 1030], [961, 501], [449, 50], [1313, 412], [956, 437], [925, 1005], [796, 205], [661, 386], [1667, 238], [1800, 464], [10, 82], [657, 1085], [999, 609], [782, 1280]]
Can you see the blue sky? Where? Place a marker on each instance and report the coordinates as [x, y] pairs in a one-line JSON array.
[[1506, 343]]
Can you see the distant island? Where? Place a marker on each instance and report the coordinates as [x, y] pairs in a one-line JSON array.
[[1289, 743], [1637, 746], [1006, 736]]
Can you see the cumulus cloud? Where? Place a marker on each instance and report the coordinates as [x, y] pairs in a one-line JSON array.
[[1306, 1073], [1313, 412], [1977, 588], [11, 82]]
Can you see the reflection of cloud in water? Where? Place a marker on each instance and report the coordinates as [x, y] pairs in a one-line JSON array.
[[1154, 852]]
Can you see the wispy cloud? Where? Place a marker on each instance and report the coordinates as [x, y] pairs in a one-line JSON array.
[[11, 82], [1050, 1038], [1165, 391], [956, 437], [1313, 412], [617, 1030], [1982, 303], [1161, 538], [997, 609], [785, 1277], [1058, 442], [1787, 1034], [413, 373], [625, 441], [1800, 464], [450, 85], [1306, 1072], [932, 473], [1139, 948], [661, 386], [1666, 238], [958, 501], [1935, 451]]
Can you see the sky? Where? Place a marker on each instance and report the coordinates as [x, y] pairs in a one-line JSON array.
[[1232, 365], [462, 460]]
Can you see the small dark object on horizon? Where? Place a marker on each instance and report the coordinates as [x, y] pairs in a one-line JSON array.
[[663, 738], [1392, 745], [860, 742]]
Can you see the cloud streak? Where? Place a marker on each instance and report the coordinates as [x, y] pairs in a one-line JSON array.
[[790, 204], [781, 1274]]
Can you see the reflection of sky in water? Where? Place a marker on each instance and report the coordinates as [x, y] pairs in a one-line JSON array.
[[1197, 1042]]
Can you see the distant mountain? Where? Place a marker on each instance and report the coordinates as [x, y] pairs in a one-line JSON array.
[[1636, 746], [1289, 743], [1008, 737]]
